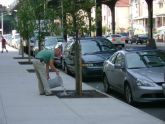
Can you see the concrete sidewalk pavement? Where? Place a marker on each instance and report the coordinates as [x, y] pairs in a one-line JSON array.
[[20, 102]]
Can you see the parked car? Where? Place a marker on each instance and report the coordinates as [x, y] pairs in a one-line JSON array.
[[125, 36], [138, 74], [140, 38], [48, 43], [34, 41], [117, 39], [8, 38], [59, 47], [16, 40], [93, 53], [133, 39]]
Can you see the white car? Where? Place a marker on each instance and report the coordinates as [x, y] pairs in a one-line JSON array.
[[16, 41], [117, 39]]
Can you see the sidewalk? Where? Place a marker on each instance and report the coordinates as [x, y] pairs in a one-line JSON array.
[[20, 102]]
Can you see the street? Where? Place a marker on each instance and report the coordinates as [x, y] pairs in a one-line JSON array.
[[156, 109]]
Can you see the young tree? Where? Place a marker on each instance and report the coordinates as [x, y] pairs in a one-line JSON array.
[[26, 23], [76, 18]]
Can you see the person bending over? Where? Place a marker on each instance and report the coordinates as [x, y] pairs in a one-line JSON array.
[[44, 60]]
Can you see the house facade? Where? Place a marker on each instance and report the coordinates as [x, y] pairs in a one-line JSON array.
[[140, 17], [122, 17]]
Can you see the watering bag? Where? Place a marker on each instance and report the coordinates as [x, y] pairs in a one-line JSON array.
[[55, 82]]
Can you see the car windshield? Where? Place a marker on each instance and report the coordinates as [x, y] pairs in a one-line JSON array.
[[92, 46], [133, 60], [145, 59], [153, 58], [50, 41]]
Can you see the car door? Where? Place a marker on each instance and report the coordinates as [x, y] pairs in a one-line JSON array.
[[118, 74], [109, 68], [67, 57]]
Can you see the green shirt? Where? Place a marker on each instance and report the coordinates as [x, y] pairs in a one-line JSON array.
[[45, 55]]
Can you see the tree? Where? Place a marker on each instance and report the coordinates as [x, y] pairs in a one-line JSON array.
[[82, 12], [39, 18], [26, 23], [76, 18]]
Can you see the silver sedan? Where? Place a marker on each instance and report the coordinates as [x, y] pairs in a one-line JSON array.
[[139, 74]]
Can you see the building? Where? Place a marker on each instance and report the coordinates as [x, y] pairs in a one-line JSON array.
[[140, 13], [122, 17], [140, 17]]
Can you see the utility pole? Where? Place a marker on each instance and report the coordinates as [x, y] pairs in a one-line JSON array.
[[2, 22], [2, 9]]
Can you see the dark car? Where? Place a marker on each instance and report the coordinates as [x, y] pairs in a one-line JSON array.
[[140, 38], [138, 74], [93, 50]]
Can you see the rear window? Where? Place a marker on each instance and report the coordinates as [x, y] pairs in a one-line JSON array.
[[93, 46], [116, 35]]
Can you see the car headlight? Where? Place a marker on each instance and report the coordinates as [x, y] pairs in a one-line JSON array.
[[87, 65], [145, 83]]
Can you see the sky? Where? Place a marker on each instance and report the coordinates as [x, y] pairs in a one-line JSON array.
[[6, 2]]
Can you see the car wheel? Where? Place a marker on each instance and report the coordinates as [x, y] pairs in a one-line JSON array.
[[106, 84], [128, 94]]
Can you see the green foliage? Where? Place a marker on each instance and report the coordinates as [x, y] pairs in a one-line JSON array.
[[80, 11], [31, 12], [25, 19]]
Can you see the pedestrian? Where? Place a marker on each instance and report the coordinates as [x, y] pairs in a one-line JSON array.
[[3, 40], [44, 60]]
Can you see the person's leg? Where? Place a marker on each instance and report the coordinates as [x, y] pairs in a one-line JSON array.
[[40, 85], [2, 50], [42, 73], [6, 49], [42, 76]]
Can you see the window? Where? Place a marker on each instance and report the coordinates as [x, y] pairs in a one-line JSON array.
[[160, 2], [134, 61], [113, 57], [120, 59]]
